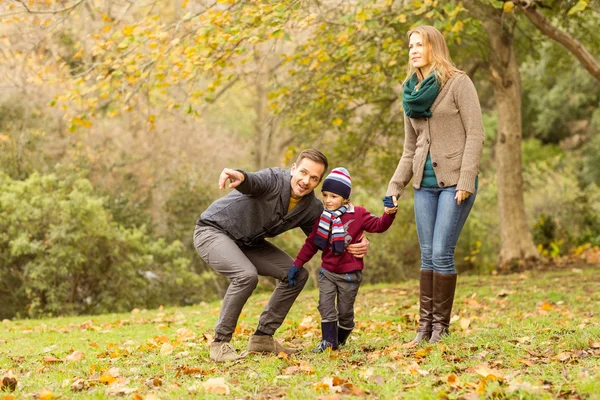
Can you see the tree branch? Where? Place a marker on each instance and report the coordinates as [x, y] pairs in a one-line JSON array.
[[50, 11], [567, 40]]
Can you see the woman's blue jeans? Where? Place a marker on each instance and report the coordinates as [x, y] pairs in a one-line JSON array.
[[439, 222]]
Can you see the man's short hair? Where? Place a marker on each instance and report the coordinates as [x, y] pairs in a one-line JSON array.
[[316, 156]]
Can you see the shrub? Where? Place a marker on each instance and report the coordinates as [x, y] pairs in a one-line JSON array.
[[61, 252]]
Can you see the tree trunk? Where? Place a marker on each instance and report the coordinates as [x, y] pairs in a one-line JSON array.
[[516, 240]]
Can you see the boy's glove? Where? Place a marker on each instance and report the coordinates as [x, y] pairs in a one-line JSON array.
[[388, 202], [292, 273]]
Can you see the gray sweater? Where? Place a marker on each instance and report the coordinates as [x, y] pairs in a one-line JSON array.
[[258, 208], [453, 135]]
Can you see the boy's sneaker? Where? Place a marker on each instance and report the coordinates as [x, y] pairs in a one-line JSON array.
[[324, 345], [223, 351]]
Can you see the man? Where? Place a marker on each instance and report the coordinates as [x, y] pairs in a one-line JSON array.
[[230, 237]]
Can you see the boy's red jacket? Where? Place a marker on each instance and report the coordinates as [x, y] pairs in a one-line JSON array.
[[356, 221]]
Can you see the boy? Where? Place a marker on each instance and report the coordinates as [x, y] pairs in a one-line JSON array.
[[340, 276]]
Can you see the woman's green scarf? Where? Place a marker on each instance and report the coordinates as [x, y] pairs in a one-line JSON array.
[[417, 103]]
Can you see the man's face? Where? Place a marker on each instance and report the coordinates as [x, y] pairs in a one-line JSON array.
[[306, 176]]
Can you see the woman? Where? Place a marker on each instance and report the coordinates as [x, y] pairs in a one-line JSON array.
[[442, 147]]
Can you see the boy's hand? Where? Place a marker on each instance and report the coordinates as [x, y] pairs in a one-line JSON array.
[[390, 204], [292, 273]]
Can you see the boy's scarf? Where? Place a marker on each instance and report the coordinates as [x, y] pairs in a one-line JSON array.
[[417, 103], [330, 221]]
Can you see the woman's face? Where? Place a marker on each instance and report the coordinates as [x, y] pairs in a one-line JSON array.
[[418, 54]]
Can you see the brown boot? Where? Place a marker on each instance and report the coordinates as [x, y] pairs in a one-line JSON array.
[[223, 351], [425, 306], [444, 286], [266, 344]]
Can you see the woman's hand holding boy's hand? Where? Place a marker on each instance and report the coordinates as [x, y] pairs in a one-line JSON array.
[[390, 204]]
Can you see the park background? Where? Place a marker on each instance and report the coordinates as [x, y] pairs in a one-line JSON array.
[[116, 118]]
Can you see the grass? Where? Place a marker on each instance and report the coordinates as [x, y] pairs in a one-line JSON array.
[[530, 336]]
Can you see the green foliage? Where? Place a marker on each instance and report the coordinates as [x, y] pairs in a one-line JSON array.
[[62, 253], [590, 172], [571, 218], [20, 135], [556, 106]]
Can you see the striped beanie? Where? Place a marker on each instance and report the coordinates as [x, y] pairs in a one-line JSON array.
[[338, 182]]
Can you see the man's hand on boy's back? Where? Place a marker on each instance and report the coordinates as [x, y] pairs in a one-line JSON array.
[[359, 250]]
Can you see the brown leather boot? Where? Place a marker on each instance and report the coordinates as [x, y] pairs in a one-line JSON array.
[[444, 286], [425, 306]]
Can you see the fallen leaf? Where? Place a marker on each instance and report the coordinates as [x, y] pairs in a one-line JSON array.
[[117, 390], [154, 382], [453, 380], [306, 368], [564, 356], [337, 381], [52, 360], [487, 372], [594, 344], [464, 323], [422, 352], [75, 356], [216, 385], [185, 334], [352, 389], [45, 394], [291, 370], [78, 385], [166, 349], [526, 362], [547, 306], [377, 379], [9, 381]]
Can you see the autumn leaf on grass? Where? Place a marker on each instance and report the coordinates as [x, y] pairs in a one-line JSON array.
[[216, 385], [529, 363], [294, 369], [327, 384], [186, 370], [564, 356], [75, 356], [414, 368], [594, 344], [110, 376], [166, 349], [453, 380], [154, 382], [78, 385], [547, 306], [52, 360], [9, 382], [45, 394], [464, 323], [422, 353], [185, 334], [486, 372], [118, 390], [518, 385], [307, 324]]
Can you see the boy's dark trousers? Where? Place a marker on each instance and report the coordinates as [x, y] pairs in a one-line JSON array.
[[343, 288]]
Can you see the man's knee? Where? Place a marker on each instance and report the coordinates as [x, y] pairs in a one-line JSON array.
[[302, 277], [247, 279]]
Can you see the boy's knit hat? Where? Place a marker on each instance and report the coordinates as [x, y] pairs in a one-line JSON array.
[[338, 182]]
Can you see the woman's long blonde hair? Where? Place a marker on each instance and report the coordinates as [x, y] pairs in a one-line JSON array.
[[439, 55]]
